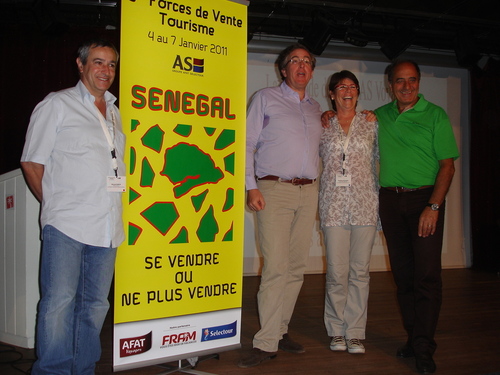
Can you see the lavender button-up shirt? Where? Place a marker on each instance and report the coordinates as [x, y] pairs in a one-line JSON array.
[[283, 134]]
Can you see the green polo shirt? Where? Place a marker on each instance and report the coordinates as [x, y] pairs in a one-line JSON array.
[[412, 143]]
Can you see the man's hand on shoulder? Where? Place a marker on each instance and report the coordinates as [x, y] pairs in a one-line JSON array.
[[255, 200], [325, 118], [370, 115]]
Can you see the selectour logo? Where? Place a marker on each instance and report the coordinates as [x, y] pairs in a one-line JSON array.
[[135, 345], [188, 65], [220, 332]]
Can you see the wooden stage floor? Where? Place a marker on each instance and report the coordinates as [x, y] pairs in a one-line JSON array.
[[467, 335]]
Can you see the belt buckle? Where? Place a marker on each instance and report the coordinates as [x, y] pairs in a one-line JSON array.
[[294, 181]]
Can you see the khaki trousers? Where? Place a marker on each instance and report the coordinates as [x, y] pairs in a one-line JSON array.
[[348, 252], [285, 231]]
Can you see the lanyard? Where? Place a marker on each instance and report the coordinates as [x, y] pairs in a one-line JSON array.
[[114, 162], [346, 144]]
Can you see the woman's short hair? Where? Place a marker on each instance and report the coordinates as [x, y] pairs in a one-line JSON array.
[[335, 80]]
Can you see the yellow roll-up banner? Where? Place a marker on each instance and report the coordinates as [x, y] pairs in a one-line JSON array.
[[182, 100]]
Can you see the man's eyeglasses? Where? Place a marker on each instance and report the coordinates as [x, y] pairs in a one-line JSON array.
[[345, 87], [298, 60]]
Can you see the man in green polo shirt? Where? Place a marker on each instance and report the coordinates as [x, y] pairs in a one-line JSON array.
[[417, 153]]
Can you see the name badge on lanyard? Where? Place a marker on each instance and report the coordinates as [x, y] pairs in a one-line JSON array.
[[343, 179], [116, 183]]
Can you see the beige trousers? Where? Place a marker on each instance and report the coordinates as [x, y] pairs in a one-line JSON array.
[[348, 252], [285, 230]]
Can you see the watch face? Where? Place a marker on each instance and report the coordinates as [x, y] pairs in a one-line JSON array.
[[435, 207]]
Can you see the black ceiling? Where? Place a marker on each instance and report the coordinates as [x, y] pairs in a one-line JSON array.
[[471, 26]]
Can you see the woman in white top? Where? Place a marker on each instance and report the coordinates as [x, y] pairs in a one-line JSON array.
[[348, 207]]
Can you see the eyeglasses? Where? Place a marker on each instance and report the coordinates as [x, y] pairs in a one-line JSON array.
[[298, 60], [345, 87]]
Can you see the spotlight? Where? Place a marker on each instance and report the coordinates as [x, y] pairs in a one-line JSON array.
[[397, 43], [355, 37], [318, 36]]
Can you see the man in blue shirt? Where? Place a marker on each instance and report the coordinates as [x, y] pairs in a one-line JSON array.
[[283, 132]]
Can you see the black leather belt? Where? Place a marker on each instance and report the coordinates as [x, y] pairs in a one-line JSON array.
[[293, 181], [401, 189]]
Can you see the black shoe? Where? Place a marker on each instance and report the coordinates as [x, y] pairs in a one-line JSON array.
[[405, 351], [256, 357], [425, 363], [287, 345]]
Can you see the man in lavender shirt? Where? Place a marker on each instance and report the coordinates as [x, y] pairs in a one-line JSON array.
[[283, 132]]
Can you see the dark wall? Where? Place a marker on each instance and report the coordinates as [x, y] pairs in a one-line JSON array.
[[485, 166], [32, 64]]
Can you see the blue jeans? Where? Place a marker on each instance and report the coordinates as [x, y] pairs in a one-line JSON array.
[[74, 280]]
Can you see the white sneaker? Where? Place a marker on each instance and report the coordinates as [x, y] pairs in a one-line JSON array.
[[338, 344], [354, 346]]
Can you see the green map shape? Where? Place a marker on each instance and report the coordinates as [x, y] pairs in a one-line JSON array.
[[134, 232], [187, 167], [182, 236], [133, 158], [198, 200], [229, 200], [229, 234], [183, 130], [225, 139], [153, 138], [148, 173], [161, 215], [229, 163], [133, 195], [208, 227]]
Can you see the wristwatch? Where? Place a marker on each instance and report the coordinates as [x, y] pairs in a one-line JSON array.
[[433, 206]]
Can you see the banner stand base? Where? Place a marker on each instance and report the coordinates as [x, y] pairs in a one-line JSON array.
[[189, 367]]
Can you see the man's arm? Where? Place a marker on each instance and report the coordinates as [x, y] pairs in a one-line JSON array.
[[428, 218], [33, 173]]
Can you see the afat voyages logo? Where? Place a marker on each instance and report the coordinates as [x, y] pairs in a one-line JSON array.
[[189, 64], [135, 345]]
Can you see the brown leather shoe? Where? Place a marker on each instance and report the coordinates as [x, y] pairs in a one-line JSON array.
[[288, 345], [255, 357]]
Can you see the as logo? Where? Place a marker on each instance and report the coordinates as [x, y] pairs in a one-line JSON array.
[[189, 64]]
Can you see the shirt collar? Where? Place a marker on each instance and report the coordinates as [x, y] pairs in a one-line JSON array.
[[85, 93], [419, 105], [287, 91]]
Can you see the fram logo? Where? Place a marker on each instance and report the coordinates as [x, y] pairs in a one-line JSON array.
[[189, 64], [219, 332], [135, 345], [176, 339]]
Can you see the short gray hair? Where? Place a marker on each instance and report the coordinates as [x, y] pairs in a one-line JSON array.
[[84, 50]]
